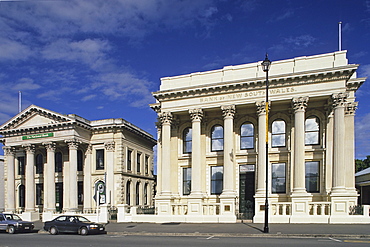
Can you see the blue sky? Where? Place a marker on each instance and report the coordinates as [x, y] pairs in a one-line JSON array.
[[103, 58]]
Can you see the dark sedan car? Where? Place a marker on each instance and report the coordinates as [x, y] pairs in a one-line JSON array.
[[12, 223], [73, 224]]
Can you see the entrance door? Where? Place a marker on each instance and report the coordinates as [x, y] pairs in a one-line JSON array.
[[59, 197], [246, 193]]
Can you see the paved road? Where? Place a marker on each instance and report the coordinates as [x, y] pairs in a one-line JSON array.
[[46, 240]]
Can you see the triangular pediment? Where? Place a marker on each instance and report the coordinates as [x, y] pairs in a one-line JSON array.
[[35, 116]]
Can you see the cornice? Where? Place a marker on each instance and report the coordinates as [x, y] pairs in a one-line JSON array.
[[291, 79]]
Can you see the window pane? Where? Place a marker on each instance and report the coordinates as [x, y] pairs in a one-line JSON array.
[[278, 178], [312, 131], [100, 159], [247, 136], [216, 179], [278, 140], [187, 139], [278, 133], [186, 181], [218, 132], [312, 176], [278, 127]]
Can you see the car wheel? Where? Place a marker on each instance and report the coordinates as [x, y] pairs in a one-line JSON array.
[[11, 229], [83, 231], [53, 230]]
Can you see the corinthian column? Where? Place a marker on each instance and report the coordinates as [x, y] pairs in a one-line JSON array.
[[166, 119], [49, 178], [349, 118], [109, 147], [196, 162], [30, 178], [261, 158], [73, 188], [339, 168], [299, 106], [229, 176], [9, 153], [87, 180]]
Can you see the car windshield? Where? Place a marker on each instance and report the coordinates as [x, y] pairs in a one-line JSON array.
[[82, 219], [12, 217]]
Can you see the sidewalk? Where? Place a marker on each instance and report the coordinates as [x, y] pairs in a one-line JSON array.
[[237, 230]]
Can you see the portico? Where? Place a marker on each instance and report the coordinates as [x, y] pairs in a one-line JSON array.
[[213, 124]]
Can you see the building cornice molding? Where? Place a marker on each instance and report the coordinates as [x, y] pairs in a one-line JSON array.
[[286, 80]]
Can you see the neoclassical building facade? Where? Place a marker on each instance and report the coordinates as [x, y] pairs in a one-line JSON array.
[[212, 142], [65, 163]]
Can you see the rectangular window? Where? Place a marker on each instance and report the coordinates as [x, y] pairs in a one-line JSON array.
[[100, 159], [146, 164], [278, 178], [80, 188], [217, 179], [39, 194], [129, 157], [21, 166], [186, 181], [138, 162], [312, 176]]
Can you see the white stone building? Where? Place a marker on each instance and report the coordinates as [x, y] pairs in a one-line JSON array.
[[212, 135], [2, 195], [65, 163]]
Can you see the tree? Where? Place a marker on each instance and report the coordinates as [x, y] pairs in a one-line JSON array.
[[362, 164]]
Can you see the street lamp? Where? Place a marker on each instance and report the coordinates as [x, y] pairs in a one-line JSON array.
[[266, 66]]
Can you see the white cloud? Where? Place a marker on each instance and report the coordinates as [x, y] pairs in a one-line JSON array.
[[13, 50], [302, 41]]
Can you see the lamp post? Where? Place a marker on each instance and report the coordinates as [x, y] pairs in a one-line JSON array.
[[266, 66]]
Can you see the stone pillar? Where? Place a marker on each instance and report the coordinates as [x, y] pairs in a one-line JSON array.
[[87, 180], [339, 168], [72, 173], [30, 178], [163, 198], [229, 174], [300, 198], [299, 105], [260, 195], [261, 158], [10, 164], [49, 178], [196, 159], [166, 119], [349, 119], [109, 147]]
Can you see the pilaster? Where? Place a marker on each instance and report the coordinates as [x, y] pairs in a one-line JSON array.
[[49, 179], [10, 164]]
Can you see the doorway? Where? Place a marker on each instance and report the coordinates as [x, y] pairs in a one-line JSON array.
[[59, 197], [246, 191]]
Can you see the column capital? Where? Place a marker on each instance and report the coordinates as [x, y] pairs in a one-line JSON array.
[[89, 149], [8, 150], [50, 146], [30, 148], [261, 107], [109, 146], [351, 108], [73, 143], [165, 117], [196, 114], [299, 103], [228, 111], [340, 99]]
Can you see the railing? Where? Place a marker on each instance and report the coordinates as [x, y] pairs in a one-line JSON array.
[[319, 208], [145, 210], [356, 210], [211, 209], [180, 209], [281, 208]]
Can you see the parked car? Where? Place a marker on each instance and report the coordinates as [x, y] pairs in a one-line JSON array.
[[12, 223], [73, 224]]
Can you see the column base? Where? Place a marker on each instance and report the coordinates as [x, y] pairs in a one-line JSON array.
[[163, 205], [30, 216], [300, 207]]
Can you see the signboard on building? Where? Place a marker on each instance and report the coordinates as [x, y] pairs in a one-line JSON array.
[[35, 136]]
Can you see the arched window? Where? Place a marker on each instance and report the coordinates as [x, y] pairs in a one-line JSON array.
[[39, 164], [312, 131], [247, 136], [217, 138], [187, 138], [58, 162], [22, 196], [137, 193], [80, 160], [278, 133], [128, 193]]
